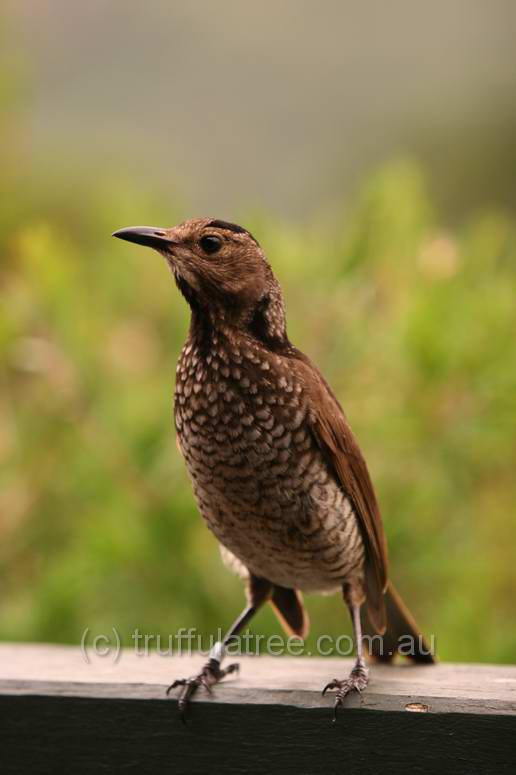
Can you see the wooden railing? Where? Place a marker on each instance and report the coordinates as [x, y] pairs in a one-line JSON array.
[[62, 714]]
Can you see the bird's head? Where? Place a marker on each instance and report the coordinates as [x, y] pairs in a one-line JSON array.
[[222, 272]]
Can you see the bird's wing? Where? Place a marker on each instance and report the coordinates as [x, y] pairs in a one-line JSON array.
[[335, 438]]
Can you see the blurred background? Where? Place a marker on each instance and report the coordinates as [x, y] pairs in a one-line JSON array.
[[371, 149]]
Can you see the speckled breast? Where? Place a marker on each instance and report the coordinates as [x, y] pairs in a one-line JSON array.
[[258, 476]]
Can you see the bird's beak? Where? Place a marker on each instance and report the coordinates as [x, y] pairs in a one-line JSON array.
[[150, 236]]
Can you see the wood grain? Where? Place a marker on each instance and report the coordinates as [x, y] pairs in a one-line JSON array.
[[61, 713]]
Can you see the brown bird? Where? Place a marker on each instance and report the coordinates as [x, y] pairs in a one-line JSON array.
[[276, 470]]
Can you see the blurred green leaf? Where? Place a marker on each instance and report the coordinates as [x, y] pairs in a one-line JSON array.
[[413, 325]]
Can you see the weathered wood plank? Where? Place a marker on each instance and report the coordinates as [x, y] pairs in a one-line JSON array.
[[60, 713]]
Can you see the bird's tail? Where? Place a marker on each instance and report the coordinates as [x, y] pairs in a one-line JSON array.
[[402, 635], [288, 607]]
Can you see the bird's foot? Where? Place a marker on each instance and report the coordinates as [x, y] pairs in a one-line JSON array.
[[357, 681], [211, 674]]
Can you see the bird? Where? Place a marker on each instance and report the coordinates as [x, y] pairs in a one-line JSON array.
[[276, 471]]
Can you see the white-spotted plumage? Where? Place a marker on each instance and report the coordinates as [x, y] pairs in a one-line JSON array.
[[259, 478]]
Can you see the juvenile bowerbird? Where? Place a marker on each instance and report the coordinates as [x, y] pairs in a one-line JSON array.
[[275, 468]]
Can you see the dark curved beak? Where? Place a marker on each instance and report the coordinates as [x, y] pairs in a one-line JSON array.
[[150, 236]]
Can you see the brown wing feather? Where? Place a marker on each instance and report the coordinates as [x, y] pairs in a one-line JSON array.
[[335, 438]]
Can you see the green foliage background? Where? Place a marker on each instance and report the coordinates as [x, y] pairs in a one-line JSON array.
[[413, 323]]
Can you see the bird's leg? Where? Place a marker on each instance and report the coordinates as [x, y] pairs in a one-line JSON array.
[[359, 676], [212, 672]]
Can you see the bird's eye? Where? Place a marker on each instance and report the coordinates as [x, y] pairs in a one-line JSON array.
[[210, 243]]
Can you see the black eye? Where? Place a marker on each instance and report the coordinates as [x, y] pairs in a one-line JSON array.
[[210, 243]]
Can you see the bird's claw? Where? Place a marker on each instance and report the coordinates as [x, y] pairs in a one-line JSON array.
[[357, 681], [206, 685], [209, 675], [329, 686], [177, 682]]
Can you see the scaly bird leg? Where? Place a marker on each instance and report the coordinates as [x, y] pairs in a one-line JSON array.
[[210, 674], [359, 676], [258, 592]]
